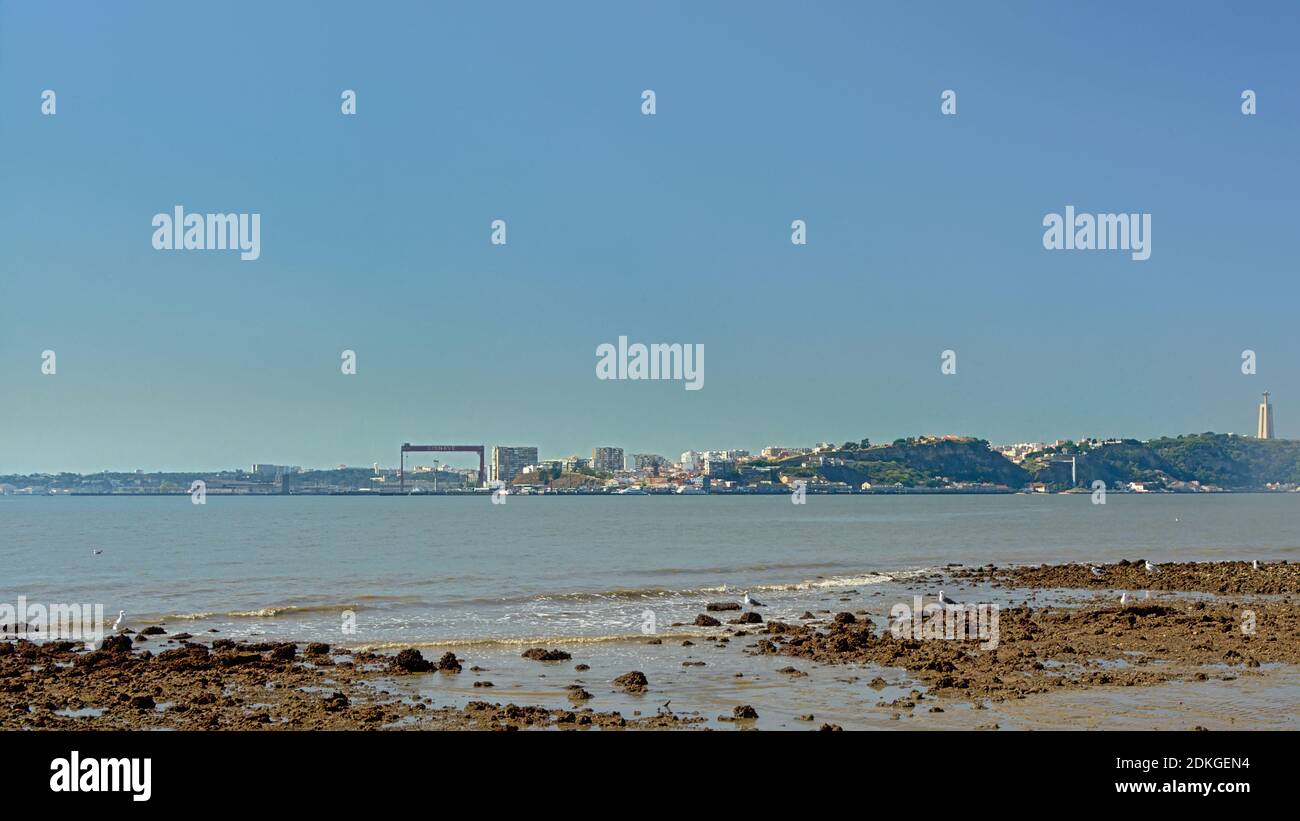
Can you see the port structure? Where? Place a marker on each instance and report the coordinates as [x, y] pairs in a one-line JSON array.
[[407, 447]]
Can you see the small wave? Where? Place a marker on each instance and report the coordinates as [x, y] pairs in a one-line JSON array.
[[830, 582], [614, 595], [282, 610], [637, 593]]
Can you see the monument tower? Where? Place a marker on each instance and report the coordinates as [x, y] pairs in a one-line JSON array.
[[1265, 427]]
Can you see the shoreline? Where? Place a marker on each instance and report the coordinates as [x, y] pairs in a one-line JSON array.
[[846, 666], [811, 490]]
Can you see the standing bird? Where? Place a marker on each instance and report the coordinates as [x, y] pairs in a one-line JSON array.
[[752, 602], [1254, 565], [120, 624], [1123, 598], [1149, 566], [1096, 571], [943, 599]]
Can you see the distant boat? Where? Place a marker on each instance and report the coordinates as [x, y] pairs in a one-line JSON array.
[[631, 491], [690, 490]]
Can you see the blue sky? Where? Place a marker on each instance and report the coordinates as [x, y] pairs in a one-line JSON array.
[[924, 231]]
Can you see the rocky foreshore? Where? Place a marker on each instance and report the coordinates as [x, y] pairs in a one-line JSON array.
[[1223, 578], [1040, 650], [173, 681], [231, 685]]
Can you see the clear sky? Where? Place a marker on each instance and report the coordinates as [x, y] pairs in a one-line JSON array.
[[924, 230]]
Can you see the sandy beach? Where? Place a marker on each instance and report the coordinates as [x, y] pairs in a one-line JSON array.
[[1188, 634]]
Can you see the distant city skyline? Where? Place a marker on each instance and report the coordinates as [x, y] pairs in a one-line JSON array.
[[508, 460], [375, 230]]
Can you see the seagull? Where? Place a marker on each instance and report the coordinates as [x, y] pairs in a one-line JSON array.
[[95, 551], [945, 600], [1149, 566], [1254, 565], [1096, 571], [121, 618], [752, 602], [1123, 598]]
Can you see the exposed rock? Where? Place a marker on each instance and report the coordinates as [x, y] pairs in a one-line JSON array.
[[633, 682], [116, 644], [336, 702], [706, 621], [411, 660], [542, 654]]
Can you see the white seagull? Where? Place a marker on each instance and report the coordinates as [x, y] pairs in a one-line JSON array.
[[752, 602], [121, 619], [95, 551], [1254, 565], [1149, 566], [1123, 598], [943, 599], [1096, 571]]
